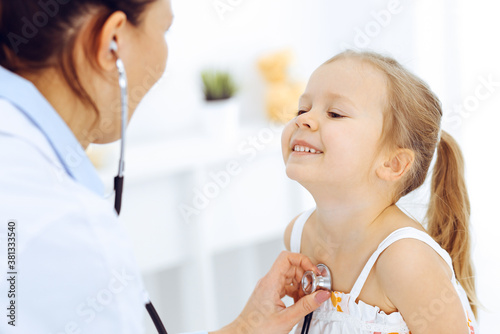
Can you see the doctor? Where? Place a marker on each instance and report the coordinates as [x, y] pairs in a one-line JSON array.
[[66, 263]]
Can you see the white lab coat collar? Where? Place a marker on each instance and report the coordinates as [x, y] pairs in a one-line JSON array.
[[25, 96]]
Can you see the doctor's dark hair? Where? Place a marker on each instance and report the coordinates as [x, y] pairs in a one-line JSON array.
[[412, 119], [38, 34]]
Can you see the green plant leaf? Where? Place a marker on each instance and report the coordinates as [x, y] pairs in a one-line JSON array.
[[217, 85]]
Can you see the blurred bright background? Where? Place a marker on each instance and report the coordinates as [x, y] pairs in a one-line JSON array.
[[206, 202]]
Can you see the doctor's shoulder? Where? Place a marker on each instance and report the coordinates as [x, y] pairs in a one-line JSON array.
[[24, 150], [31, 175]]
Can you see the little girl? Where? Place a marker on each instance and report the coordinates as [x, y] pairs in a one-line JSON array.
[[364, 137]]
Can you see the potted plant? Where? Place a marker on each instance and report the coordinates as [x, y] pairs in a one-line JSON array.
[[221, 107]]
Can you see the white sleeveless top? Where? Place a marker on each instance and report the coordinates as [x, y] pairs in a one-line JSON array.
[[342, 315]]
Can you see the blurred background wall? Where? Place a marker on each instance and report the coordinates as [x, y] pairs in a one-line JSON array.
[[207, 209]]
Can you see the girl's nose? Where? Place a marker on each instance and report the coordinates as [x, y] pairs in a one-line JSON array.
[[307, 120]]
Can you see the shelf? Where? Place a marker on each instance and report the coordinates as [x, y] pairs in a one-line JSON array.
[[170, 156]]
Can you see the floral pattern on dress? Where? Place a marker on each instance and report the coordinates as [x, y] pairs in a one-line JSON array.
[[336, 299]]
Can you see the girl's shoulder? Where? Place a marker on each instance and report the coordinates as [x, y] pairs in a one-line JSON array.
[[407, 245], [293, 232], [408, 254], [416, 279], [288, 232]]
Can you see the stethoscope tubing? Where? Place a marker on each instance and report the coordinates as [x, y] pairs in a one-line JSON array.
[[118, 180], [306, 324]]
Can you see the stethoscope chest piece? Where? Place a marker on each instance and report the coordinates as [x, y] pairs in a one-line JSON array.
[[312, 282]]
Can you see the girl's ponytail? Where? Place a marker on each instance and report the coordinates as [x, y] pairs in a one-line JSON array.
[[449, 212]]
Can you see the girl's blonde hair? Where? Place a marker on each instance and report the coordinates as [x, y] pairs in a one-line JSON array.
[[412, 120]]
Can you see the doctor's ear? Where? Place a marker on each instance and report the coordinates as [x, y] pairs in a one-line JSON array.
[[396, 165], [110, 40]]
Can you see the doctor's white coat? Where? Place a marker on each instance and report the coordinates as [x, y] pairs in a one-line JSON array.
[[74, 271]]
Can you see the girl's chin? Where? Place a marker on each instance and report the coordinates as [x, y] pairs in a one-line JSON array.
[[299, 176], [314, 182]]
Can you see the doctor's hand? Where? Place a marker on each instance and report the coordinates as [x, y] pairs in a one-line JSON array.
[[265, 312]]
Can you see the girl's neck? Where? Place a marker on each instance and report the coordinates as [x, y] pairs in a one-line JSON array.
[[350, 218]]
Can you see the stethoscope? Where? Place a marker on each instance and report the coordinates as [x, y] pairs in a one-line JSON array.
[[312, 282], [118, 181]]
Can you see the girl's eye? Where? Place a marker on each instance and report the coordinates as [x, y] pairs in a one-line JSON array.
[[301, 112], [334, 115]]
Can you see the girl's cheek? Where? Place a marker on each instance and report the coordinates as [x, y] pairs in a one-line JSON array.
[[286, 134], [285, 139]]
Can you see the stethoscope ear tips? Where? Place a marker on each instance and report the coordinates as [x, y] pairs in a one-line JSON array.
[[113, 46], [312, 282]]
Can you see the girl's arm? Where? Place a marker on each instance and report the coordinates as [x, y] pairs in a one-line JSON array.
[[418, 282]]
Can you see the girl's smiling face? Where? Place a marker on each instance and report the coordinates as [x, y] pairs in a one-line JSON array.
[[340, 118]]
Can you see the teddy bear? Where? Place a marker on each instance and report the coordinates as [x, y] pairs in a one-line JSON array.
[[283, 94]]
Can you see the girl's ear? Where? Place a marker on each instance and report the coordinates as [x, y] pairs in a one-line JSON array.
[[396, 165]]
